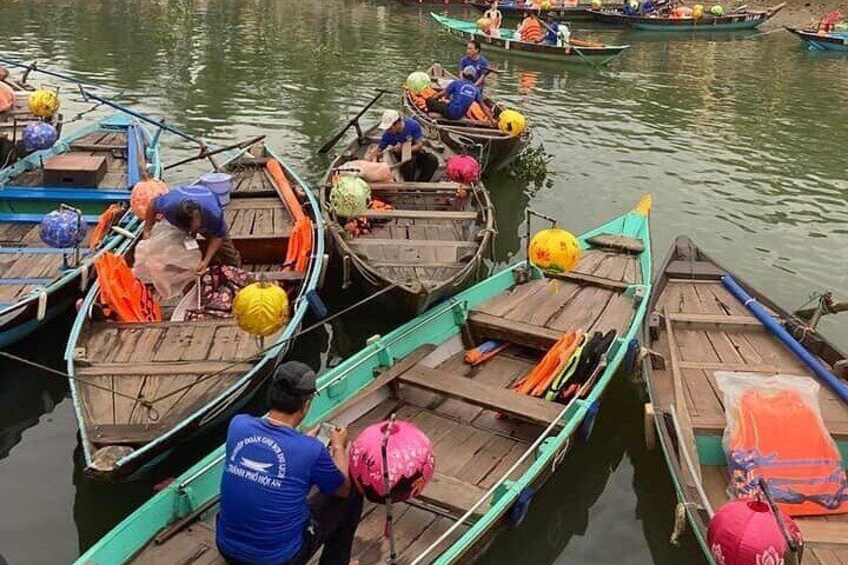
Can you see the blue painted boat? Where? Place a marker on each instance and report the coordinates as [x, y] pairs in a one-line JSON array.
[[661, 21], [494, 446], [837, 41], [36, 281], [142, 389]]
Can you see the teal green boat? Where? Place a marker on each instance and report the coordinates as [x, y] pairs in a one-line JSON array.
[[88, 170], [576, 51], [494, 447]]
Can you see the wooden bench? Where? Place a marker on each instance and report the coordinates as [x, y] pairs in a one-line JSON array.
[[617, 242], [125, 434], [697, 270], [501, 400], [520, 333], [452, 494], [425, 243], [419, 215]]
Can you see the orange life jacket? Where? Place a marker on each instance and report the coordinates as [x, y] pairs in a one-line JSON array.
[[779, 437], [300, 242], [531, 31], [537, 381], [107, 219], [475, 111], [7, 97], [123, 296]]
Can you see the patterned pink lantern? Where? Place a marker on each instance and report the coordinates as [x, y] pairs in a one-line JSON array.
[[746, 532], [410, 458], [463, 168]]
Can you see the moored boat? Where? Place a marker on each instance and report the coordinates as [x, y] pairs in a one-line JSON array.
[[140, 389], [570, 11], [87, 171], [15, 114], [815, 41], [493, 446], [697, 327], [663, 20], [429, 243], [493, 147], [577, 51]]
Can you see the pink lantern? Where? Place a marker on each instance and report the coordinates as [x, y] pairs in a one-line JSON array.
[[746, 532], [410, 458], [463, 168]]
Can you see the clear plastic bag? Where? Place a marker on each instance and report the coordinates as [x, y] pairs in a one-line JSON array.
[[775, 431], [164, 261]]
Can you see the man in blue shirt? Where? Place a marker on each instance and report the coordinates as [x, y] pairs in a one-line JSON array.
[[460, 94], [473, 58], [267, 516], [195, 210], [396, 132]]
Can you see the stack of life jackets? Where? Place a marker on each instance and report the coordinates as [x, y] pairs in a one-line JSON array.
[[530, 31], [475, 112]]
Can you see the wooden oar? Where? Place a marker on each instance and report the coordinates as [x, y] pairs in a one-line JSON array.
[[354, 121], [204, 152], [34, 67]]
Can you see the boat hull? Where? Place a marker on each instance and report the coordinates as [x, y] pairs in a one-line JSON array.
[[576, 55], [724, 23], [816, 42], [518, 10]]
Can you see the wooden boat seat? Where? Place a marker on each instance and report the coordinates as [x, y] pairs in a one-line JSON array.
[[504, 401], [420, 215], [521, 333], [125, 434], [617, 242], [452, 494], [697, 270], [429, 186]]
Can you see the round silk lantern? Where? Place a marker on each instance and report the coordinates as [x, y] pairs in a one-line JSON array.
[[62, 228], [698, 11], [546, 5], [43, 103], [597, 4], [511, 122], [143, 193], [350, 196], [483, 24], [409, 455], [39, 135], [261, 309], [717, 11], [463, 169], [746, 532], [554, 250], [418, 82]]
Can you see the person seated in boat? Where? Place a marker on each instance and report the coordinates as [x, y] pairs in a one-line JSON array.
[[530, 29], [396, 131], [458, 96], [267, 515], [196, 212], [473, 58], [558, 34], [496, 17], [631, 8]]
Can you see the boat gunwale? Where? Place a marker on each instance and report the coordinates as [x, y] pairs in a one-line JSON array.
[[310, 283]]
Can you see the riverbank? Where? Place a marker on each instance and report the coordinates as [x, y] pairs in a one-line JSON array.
[[796, 14]]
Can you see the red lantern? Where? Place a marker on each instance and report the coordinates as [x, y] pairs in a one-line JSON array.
[[410, 458], [746, 532], [463, 169]]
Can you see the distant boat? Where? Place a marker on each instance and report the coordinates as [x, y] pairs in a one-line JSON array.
[[834, 41], [576, 11], [731, 21], [192, 374], [696, 327], [494, 446], [36, 281], [576, 51]]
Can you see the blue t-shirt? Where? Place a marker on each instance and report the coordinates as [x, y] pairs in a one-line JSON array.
[[411, 132], [267, 476], [212, 217], [481, 64], [462, 94]]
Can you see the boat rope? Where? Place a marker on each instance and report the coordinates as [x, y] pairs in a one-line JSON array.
[[679, 524], [148, 403]]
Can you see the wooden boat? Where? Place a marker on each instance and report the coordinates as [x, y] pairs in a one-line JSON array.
[[513, 9], [494, 148], [431, 244], [14, 119], [732, 21], [434, 2], [576, 51], [141, 389], [835, 41], [36, 281], [493, 446], [697, 327]]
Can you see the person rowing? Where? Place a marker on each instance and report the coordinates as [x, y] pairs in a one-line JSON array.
[[473, 58], [196, 211], [460, 94]]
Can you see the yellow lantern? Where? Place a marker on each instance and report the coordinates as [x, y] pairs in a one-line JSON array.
[[554, 250], [43, 103], [698, 11], [483, 24], [511, 122], [545, 5], [261, 308]]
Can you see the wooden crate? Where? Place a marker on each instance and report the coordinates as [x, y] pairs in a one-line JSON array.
[[74, 170]]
